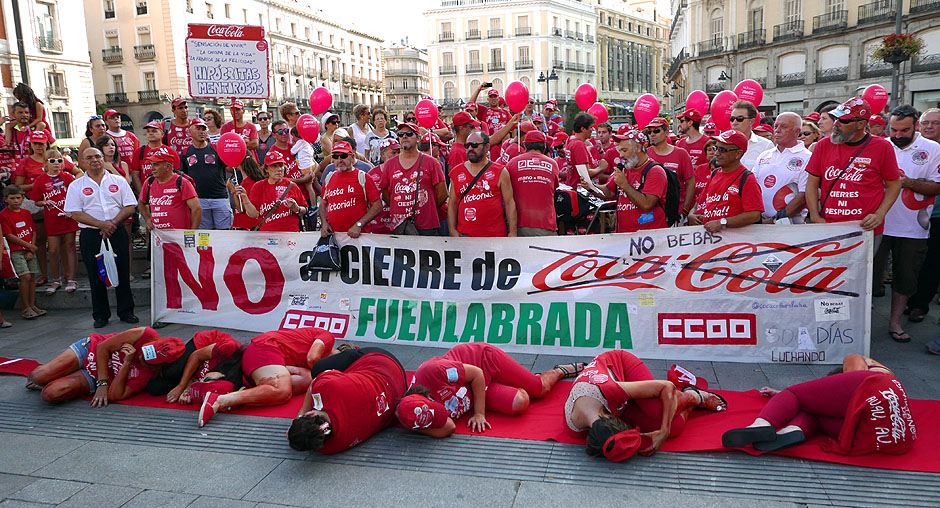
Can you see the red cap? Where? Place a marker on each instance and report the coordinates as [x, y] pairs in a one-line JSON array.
[[493, 92], [526, 126], [813, 117], [463, 118], [408, 125], [732, 137], [164, 154], [236, 104], [550, 106], [625, 128], [877, 120], [430, 137], [682, 377], [390, 143], [111, 112], [633, 135], [163, 350], [177, 101], [538, 117], [471, 106], [276, 157], [198, 121], [852, 108], [535, 136], [343, 147], [762, 127], [198, 390], [692, 114], [553, 101], [623, 445], [156, 124], [38, 137], [560, 139], [658, 122], [710, 127], [419, 412]]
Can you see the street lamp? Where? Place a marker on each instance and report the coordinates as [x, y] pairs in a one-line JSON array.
[[547, 80], [724, 77]]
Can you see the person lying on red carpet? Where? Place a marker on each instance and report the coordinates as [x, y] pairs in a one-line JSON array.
[[130, 359], [863, 409], [275, 365], [625, 411], [474, 375], [352, 396], [212, 363]]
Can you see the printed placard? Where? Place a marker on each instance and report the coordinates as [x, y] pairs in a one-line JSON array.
[[832, 309], [227, 61]]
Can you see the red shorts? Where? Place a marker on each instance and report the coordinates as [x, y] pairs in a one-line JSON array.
[[260, 355]]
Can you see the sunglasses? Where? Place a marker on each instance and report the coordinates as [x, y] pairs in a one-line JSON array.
[[531, 102], [806, 133], [333, 122], [340, 155], [652, 131], [740, 118], [55, 161], [722, 149], [263, 118], [282, 131], [472, 146], [845, 121], [207, 118], [96, 117], [406, 134]]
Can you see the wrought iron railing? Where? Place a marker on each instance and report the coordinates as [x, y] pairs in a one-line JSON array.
[[791, 79], [116, 98], [145, 52], [752, 39], [880, 10], [832, 74], [111, 55], [830, 21]]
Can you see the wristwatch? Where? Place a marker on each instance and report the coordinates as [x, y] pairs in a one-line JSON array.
[[723, 222], [358, 223]]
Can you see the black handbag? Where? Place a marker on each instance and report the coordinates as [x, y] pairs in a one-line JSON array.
[[326, 255]]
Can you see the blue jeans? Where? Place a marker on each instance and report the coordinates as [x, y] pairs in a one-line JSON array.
[[216, 214]]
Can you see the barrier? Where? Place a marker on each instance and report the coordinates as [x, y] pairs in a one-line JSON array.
[[784, 294]]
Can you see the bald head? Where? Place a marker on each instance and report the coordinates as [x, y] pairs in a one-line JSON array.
[[93, 158], [787, 127]]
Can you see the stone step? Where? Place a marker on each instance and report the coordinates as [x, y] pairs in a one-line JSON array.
[[80, 299]]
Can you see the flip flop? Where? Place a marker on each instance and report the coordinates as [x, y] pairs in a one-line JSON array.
[[782, 441], [900, 337], [578, 367], [933, 347], [739, 438], [702, 397]]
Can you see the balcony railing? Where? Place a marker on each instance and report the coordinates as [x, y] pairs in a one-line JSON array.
[[57, 91], [575, 66], [830, 21], [523, 64], [791, 79], [494, 33], [116, 98], [926, 63], [762, 80], [714, 87], [49, 44], [298, 70], [833, 74], [111, 55], [589, 38], [145, 52], [921, 6], [496, 66], [881, 10], [473, 34], [446, 37], [752, 39], [283, 68], [311, 73], [590, 68], [558, 64], [579, 36], [569, 34], [323, 74], [557, 31], [474, 67], [334, 76], [710, 47], [148, 96], [788, 31], [676, 63], [523, 30], [448, 69], [875, 69]]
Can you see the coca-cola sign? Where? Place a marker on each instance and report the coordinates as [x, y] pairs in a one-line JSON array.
[[227, 31]]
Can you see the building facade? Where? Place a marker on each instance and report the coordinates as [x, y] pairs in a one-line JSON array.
[[805, 54], [57, 64], [138, 49], [406, 78]]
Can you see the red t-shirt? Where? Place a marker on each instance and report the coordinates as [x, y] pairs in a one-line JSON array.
[[605, 371], [28, 168], [380, 225], [291, 170], [534, 180], [576, 154], [127, 145], [295, 343], [862, 187], [494, 119], [359, 401], [510, 151], [178, 137], [225, 346], [138, 374], [723, 199], [168, 209], [247, 132], [20, 224], [446, 379], [702, 172], [140, 165], [400, 183], [264, 195], [53, 190], [629, 217], [241, 219], [458, 155], [878, 419], [346, 200], [695, 150], [481, 211]]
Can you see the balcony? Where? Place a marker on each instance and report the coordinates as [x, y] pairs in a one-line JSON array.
[[142, 9], [446, 37], [875, 69], [557, 31], [579, 36], [402, 71], [589, 38], [447, 70], [148, 96], [474, 68], [311, 73], [569, 34], [494, 33], [473, 35], [145, 52], [496, 66], [710, 47], [57, 91], [574, 66], [323, 74], [762, 80], [831, 75], [835, 20], [112, 55], [874, 12], [921, 6], [791, 79], [523, 30], [589, 68], [109, 14], [714, 87], [752, 39], [926, 63], [297, 70], [788, 31], [49, 44], [523, 64], [334, 76], [676, 64], [282, 68], [116, 98]]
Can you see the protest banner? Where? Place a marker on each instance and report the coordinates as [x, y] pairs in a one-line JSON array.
[[764, 293], [227, 61]]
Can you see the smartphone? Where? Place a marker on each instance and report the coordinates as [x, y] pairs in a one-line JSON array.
[[487, 85]]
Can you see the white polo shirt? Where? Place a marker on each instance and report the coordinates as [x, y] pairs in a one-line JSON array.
[[782, 175], [756, 145], [102, 202], [909, 217]]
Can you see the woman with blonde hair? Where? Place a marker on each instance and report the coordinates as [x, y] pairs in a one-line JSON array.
[[809, 135], [49, 191]]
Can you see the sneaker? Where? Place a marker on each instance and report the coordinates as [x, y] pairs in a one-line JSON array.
[[199, 390], [206, 411]]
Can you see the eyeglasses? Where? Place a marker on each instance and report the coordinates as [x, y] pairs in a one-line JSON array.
[[406, 134], [845, 121], [282, 131], [652, 131], [473, 146], [722, 149], [806, 133], [55, 161], [295, 113], [207, 118], [340, 155], [740, 118]]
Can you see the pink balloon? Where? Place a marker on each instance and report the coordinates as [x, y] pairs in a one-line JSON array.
[[697, 100], [320, 101], [308, 127], [877, 98], [721, 109], [231, 148], [426, 112], [751, 91], [599, 112], [517, 96], [585, 96], [645, 109]]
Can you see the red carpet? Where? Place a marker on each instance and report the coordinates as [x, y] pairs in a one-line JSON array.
[[17, 366]]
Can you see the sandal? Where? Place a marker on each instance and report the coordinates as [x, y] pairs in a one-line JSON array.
[[933, 347], [29, 314], [71, 286], [570, 369], [42, 280], [53, 287], [38, 311], [701, 396], [900, 337]]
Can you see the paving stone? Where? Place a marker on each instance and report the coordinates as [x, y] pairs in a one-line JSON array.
[[220, 502], [100, 496], [14, 503], [10, 483], [25, 454], [151, 498], [48, 491], [536, 493]]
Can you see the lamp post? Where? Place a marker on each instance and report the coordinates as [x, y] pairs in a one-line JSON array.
[[724, 77], [547, 80], [896, 75]]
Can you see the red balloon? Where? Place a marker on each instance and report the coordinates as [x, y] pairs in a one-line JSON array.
[[517, 96], [585, 96], [308, 127], [721, 109], [320, 101], [599, 112], [426, 113], [231, 148], [645, 109], [751, 91], [697, 100], [877, 98]]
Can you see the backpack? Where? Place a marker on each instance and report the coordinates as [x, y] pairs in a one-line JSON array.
[[362, 182], [179, 185], [672, 202], [740, 183]]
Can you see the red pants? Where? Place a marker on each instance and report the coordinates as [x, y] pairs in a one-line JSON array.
[[506, 377], [646, 414], [817, 405]]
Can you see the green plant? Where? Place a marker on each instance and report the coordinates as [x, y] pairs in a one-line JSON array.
[[898, 46]]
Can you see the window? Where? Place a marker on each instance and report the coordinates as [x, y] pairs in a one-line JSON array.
[[450, 91], [142, 9], [523, 53], [494, 23], [277, 25], [245, 15], [61, 125], [293, 29], [307, 33], [209, 11], [228, 11], [144, 38], [496, 55], [360, 50], [111, 42], [755, 19], [56, 83], [522, 21], [446, 28], [150, 80], [792, 10], [117, 83], [45, 21], [475, 57], [108, 9], [716, 25], [835, 5], [448, 59], [261, 19]]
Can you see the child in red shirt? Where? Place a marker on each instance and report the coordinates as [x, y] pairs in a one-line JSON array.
[[49, 190], [18, 227]]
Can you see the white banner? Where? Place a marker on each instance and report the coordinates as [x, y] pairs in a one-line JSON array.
[[764, 293], [227, 61]]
